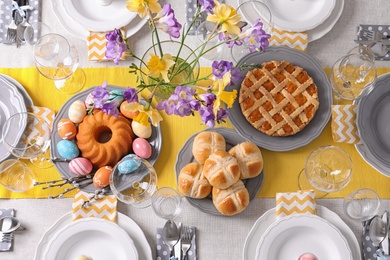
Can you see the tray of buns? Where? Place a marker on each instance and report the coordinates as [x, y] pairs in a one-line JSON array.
[[216, 167], [289, 92]]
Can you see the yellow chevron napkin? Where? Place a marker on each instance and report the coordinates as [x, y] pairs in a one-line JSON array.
[[343, 124], [101, 208], [44, 112], [291, 203], [96, 46], [294, 40]]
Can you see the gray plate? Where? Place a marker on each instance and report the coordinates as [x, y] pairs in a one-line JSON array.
[[185, 157], [26, 97], [373, 125], [155, 140], [11, 102], [313, 129]]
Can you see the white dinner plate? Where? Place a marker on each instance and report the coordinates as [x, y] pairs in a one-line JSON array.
[[292, 236], [126, 223], [268, 218], [299, 15], [74, 28], [97, 238], [11, 102], [96, 17]]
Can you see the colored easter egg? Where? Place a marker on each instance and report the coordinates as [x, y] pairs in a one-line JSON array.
[[77, 111], [127, 113], [101, 178], [66, 129], [116, 96], [131, 164], [80, 166], [89, 101], [67, 149], [141, 130], [142, 148]]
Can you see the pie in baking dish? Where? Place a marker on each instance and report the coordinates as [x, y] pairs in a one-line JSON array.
[[278, 99]]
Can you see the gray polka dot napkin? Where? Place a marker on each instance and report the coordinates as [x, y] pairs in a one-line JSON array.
[[6, 246], [385, 29], [6, 15], [191, 7], [163, 252], [367, 247]]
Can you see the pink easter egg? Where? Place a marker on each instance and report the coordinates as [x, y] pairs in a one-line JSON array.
[[80, 166], [142, 148], [66, 129], [77, 111]]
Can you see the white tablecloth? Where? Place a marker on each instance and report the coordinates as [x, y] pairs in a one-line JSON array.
[[218, 237]]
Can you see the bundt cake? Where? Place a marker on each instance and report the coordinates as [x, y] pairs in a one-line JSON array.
[[104, 139]]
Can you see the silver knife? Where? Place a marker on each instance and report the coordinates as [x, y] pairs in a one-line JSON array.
[[177, 247], [385, 242], [367, 42]]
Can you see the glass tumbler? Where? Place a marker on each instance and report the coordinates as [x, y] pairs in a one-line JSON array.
[[166, 203], [362, 204]]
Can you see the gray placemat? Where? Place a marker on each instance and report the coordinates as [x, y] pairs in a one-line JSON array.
[[162, 250], [6, 246], [383, 28], [6, 15]]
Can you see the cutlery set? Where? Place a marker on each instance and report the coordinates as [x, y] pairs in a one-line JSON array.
[[379, 235], [19, 22], [178, 239], [378, 42]]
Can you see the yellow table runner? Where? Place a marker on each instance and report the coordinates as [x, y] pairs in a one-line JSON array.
[[281, 168]]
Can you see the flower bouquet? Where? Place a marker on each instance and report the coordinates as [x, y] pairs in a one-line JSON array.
[[174, 77]]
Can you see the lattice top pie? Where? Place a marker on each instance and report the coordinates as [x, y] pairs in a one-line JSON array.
[[278, 99]]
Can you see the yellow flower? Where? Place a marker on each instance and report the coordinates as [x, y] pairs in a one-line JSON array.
[[159, 66], [222, 95], [227, 17], [145, 114], [141, 6]]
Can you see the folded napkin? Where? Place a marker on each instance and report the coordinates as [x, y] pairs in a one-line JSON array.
[[96, 46], [298, 41], [6, 15], [367, 247], [46, 113], [382, 28], [163, 252], [6, 246], [344, 129], [99, 208], [293, 203]]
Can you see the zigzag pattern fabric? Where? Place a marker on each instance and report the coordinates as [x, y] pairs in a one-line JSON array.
[[103, 208], [343, 124], [96, 46], [291, 203], [294, 40]]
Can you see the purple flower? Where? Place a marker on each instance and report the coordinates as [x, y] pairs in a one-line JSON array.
[[183, 108], [207, 5], [232, 40], [167, 105], [222, 114], [115, 47], [195, 104], [207, 115], [236, 76], [100, 95], [208, 98], [256, 38], [183, 92], [130, 95], [110, 108], [220, 68], [167, 22]]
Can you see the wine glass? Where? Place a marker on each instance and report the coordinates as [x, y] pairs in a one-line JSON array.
[[353, 76], [133, 181], [166, 203], [252, 10], [327, 169], [57, 59]]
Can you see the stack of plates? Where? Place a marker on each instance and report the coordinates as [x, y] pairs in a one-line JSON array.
[[13, 99], [316, 18], [81, 17], [325, 235], [94, 237]]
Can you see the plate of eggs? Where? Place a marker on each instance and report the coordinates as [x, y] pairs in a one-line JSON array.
[[92, 144]]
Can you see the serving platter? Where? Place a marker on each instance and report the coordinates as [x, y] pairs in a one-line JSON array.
[[269, 217], [155, 139], [316, 125], [292, 236], [185, 157]]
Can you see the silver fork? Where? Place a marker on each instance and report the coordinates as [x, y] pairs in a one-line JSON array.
[[373, 35], [6, 237], [186, 239], [11, 30]]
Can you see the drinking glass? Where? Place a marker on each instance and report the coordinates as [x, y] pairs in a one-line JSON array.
[[362, 204], [252, 10], [57, 59], [328, 168], [35, 31], [136, 187], [16, 176], [166, 203], [213, 47]]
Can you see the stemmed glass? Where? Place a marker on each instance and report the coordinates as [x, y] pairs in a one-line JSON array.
[[57, 59], [327, 169], [252, 10]]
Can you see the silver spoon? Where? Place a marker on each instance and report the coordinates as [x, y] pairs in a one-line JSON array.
[[170, 235], [380, 49], [10, 224]]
